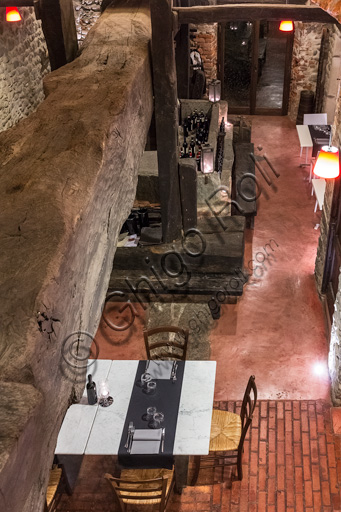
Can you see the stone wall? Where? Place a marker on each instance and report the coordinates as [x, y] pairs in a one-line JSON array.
[[23, 62], [67, 182], [305, 61], [333, 72], [87, 13], [334, 360], [206, 41], [331, 6]]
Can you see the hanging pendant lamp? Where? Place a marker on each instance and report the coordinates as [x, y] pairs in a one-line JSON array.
[[327, 164], [12, 14], [286, 26]]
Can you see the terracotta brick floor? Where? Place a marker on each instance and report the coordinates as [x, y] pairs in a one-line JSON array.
[[292, 462]]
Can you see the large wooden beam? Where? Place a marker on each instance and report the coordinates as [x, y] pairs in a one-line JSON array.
[[166, 116], [67, 183], [244, 11]]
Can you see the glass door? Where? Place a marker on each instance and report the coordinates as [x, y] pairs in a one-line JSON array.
[[237, 65], [256, 62]]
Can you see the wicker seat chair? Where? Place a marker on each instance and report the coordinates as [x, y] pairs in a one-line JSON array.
[[228, 432], [160, 348], [142, 487]]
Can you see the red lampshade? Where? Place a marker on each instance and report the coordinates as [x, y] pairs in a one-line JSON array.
[[327, 163], [12, 14], [286, 26]]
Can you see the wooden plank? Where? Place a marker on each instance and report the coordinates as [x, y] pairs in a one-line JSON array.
[[221, 57], [287, 73], [17, 3], [138, 288], [166, 116], [252, 11], [182, 61], [58, 24], [285, 2], [254, 66], [203, 254], [188, 189], [208, 225]]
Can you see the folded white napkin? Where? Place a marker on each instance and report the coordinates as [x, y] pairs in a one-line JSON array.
[[160, 369], [146, 441]]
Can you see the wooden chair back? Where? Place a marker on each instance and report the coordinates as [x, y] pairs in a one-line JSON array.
[[141, 492], [248, 407], [166, 349]]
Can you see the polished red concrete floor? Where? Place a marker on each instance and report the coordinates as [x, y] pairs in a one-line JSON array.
[[276, 331]]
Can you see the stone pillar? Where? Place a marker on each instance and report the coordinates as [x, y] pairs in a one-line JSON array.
[[24, 62], [305, 61]]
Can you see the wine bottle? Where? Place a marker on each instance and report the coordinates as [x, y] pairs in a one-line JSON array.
[[185, 127], [91, 391], [192, 144], [185, 145]]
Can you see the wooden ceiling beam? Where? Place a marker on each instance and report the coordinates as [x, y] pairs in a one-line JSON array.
[[260, 11]]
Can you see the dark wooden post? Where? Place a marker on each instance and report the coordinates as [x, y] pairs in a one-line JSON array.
[[182, 58], [58, 24], [166, 117]]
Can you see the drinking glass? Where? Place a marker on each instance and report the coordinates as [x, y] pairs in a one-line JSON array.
[[151, 386], [145, 377], [158, 418], [150, 413]]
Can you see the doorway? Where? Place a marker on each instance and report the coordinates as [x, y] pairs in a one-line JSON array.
[[255, 66]]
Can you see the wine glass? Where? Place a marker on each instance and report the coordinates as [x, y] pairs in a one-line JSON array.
[[151, 386], [158, 418], [145, 377], [150, 413]]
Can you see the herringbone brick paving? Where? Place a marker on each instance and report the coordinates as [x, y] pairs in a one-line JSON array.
[[291, 462]]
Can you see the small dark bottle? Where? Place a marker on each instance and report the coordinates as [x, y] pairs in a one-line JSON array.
[[192, 144], [197, 158], [185, 127], [207, 124], [91, 391], [185, 145], [189, 123]]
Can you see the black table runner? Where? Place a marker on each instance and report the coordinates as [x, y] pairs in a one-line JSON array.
[[320, 136], [166, 399]]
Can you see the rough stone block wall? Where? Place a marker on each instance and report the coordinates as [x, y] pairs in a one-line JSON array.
[[334, 359], [305, 61], [87, 13], [333, 72], [335, 339], [332, 7], [23, 62], [206, 41]]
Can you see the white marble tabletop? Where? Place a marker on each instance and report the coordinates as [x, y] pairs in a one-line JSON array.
[[76, 427], [95, 430]]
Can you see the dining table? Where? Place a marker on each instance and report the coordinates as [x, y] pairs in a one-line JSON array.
[[186, 402]]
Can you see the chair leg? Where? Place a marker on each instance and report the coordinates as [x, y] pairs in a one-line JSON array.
[[197, 460], [240, 468]]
